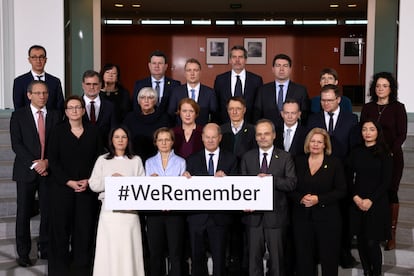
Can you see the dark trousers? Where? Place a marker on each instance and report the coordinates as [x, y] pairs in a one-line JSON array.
[[166, 231], [370, 255], [26, 192], [216, 235], [73, 232], [274, 239]]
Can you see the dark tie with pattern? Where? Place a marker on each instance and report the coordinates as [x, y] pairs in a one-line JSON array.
[[157, 89], [331, 122], [211, 164], [41, 132], [92, 115], [280, 97], [238, 89], [263, 168]]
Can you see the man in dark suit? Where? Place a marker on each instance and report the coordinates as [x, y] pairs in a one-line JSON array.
[[237, 82], [99, 112], [291, 136], [193, 89], [29, 130], [238, 137], [37, 58], [270, 97], [342, 127], [216, 162], [157, 66], [268, 229]]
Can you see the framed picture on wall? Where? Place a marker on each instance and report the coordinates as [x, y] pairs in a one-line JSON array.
[[351, 50], [217, 51], [256, 50]]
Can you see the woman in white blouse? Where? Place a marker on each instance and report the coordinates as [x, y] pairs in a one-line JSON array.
[[118, 241]]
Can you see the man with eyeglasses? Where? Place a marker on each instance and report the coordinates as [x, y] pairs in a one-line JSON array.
[[271, 96], [99, 112], [29, 131], [37, 58]]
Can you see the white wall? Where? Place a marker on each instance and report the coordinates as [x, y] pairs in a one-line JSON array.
[[406, 55]]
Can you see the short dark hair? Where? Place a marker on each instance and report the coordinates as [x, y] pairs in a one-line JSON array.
[[37, 47], [333, 87], [239, 47], [158, 53], [90, 74], [381, 146], [128, 151], [291, 101], [236, 99], [262, 121], [393, 86], [329, 71], [74, 97], [109, 66], [192, 60], [282, 56], [33, 83], [161, 130]]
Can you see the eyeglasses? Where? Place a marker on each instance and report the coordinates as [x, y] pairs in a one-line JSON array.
[[71, 108], [167, 140], [146, 97], [328, 100], [40, 93], [91, 83], [38, 57]]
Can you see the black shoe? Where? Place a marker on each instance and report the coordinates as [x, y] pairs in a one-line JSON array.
[[42, 255], [349, 263], [24, 262]]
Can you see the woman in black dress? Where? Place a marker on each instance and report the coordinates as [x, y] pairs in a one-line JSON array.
[[369, 170]]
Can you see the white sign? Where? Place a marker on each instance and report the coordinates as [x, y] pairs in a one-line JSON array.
[[195, 193]]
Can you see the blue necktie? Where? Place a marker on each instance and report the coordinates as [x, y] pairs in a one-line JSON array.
[[193, 94], [280, 97], [211, 164]]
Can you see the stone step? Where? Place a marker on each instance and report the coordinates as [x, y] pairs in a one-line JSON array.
[[405, 233], [6, 153], [406, 192], [406, 211], [6, 169], [5, 123], [408, 175], [5, 137], [7, 188], [8, 207], [8, 227], [12, 269], [387, 270]]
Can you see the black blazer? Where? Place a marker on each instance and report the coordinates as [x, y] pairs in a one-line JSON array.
[[222, 87], [106, 119], [55, 99], [196, 165], [345, 135], [169, 84], [282, 169], [298, 141], [25, 140], [328, 183], [266, 103], [206, 100]]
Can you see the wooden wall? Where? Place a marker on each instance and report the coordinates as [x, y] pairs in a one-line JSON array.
[[311, 49]]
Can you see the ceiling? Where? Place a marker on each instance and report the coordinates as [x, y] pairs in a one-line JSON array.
[[221, 9]]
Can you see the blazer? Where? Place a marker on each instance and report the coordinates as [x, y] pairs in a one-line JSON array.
[[55, 99], [206, 100], [222, 87], [196, 165], [345, 135], [106, 119], [265, 105], [169, 84], [328, 183], [25, 141], [282, 168], [298, 140]]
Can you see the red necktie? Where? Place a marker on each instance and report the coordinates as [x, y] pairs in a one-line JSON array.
[[92, 116], [41, 132], [263, 168]]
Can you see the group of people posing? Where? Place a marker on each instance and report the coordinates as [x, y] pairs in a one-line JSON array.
[[334, 177]]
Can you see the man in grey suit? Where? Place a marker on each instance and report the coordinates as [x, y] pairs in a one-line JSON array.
[[268, 229]]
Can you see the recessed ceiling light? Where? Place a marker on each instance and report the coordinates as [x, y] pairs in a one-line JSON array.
[[352, 5], [334, 6], [119, 5], [136, 5]]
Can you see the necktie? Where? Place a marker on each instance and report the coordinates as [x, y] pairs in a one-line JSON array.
[[287, 139], [41, 132], [192, 94], [211, 164], [157, 89], [238, 89], [280, 97], [92, 115], [263, 168], [39, 77], [330, 127]]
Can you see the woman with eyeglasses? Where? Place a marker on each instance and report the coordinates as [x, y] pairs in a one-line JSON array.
[[118, 240], [74, 147], [143, 122], [392, 116], [165, 229], [113, 91]]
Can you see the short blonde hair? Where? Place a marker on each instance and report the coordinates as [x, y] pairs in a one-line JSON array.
[[147, 91], [326, 140]]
